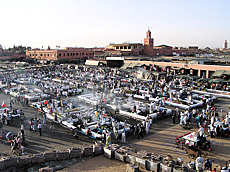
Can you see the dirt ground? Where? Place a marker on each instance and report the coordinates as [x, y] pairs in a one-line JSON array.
[[99, 163], [162, 143]]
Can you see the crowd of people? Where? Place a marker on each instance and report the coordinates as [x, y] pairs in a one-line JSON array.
[[7, 116], [17, 141], [69, 81]]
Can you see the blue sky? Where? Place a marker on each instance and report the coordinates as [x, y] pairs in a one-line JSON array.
[[90, 23]]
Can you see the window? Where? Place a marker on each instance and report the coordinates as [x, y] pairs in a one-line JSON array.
[[44, 54], [129, 47], [67, 54], [89, 53], [73, 54], [125, 47], [30, 54], [86, 54], [59, 55], [64, 54], [36, 54], [40, 54], [76, 54], [48, 54], [82, 53]]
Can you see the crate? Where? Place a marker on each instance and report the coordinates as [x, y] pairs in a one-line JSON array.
[[75, 152], [140, 161], [152, 166], [98, 149], [132, 168], [125, 148], [46, 169], [87, 150], [120, 155], [24, 160], [131, 157], [115, 146], [176, 170], [9, 161], [109, 152], [98, 143], [164, 168], [37, 158], [62, 155], [2, 164], [11, 169], [145, 154], [50, 155]]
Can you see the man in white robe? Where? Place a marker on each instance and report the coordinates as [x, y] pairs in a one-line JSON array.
[[123, 137], [147, 126]]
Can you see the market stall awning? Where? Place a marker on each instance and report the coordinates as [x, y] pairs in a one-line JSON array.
[[226, 72], [187, 77], [218, 73], [176, 68], [131, 65], [92, 62], [228, 81], [216, 80], [125, 66], [204, 79]]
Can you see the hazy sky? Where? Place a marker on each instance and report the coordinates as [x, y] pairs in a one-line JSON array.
[[90, 23]]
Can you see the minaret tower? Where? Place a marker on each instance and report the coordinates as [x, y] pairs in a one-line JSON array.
[[148, 44], [226, 44]]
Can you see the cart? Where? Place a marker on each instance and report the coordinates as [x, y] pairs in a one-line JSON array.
[[193, 152]]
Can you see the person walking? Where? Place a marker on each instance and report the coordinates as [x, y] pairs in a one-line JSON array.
[[208, 165], [1, 127], [174, 117], [44, 119], [22, 128], [123, 137], [147, 126], [52, 125], [135, 133], [139, 130], [40, 128], [185, 121], [199, 163], [35, 122]]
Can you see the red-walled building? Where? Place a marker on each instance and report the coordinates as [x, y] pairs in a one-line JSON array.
[[69, 53], [168, 50]]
